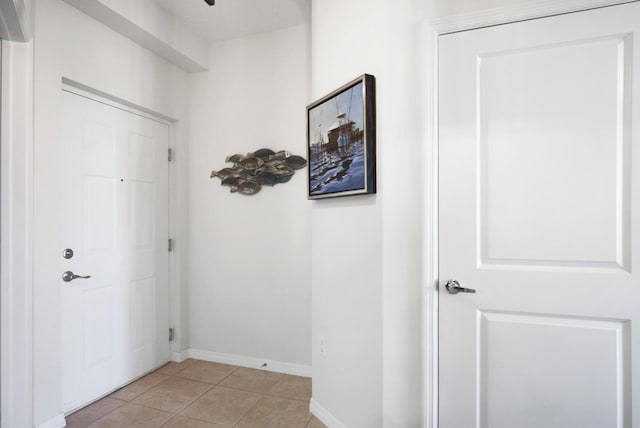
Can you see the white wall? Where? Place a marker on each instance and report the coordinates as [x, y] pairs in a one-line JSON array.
[[249, 256], [442, 8], [70, 44], [367, 250]]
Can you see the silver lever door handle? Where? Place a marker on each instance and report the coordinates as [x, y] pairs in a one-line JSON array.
[[69, 276], [453, 287]]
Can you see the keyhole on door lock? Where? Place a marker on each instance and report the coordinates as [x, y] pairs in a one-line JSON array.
[[68, 253]]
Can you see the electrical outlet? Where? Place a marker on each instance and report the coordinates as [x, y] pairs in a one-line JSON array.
[[323, 346]]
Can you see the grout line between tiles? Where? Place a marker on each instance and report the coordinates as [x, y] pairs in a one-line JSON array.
[[261, 396], [222, 380], [172, 418], [248, 411]]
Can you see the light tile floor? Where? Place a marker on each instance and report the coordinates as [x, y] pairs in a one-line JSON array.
[[200, 394]]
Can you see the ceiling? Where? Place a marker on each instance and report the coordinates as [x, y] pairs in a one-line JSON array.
[[230, 19]]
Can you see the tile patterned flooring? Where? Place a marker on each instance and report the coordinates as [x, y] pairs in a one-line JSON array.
[[200, 394]]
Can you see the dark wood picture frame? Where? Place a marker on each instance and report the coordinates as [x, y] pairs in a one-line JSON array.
[[341, 141]]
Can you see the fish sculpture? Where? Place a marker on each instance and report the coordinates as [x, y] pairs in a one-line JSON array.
[[246, 187], [234, 159], [251, 162], [266, 178], [222, 174], [295, 162], [263, 154], [283, 173], [263, 167]]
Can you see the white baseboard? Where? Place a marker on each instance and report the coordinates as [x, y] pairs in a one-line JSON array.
[[179, 356], [57, 422], [251, 362], [324, 415]]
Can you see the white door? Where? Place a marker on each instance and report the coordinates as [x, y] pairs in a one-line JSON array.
[[540, 214], [115, 220]]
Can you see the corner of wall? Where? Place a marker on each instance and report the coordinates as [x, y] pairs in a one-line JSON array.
[[324, 415], [16, 20], [16, 193]]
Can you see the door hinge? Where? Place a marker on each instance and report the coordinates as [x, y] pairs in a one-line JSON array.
[[170, 245], [170, 155], [171, 335]]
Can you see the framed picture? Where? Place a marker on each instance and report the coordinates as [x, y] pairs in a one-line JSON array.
[[341, 141]]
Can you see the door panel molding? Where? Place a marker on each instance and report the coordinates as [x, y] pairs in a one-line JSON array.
[[608, 338]]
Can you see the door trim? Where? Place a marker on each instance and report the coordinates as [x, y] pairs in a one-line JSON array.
[[435, 28], [85, 91], [430, 269], [514, 13]]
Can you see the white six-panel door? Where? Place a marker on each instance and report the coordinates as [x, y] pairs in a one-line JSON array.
[[115, 219], [540, 214]]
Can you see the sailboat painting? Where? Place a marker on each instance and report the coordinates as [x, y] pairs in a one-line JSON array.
[[341, 141]]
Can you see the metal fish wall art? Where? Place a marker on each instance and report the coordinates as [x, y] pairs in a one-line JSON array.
[[263, 167]]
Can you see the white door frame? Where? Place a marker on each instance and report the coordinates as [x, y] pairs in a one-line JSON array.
[[469, 21]]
